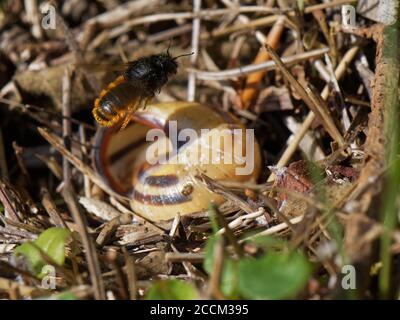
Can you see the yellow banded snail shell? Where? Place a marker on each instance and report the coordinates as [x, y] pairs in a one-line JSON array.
[[159, 190]]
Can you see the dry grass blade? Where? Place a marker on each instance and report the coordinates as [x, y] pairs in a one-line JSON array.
[[182, 257], [51, 208], [291, 149], [214, 186], [55, 141], [309, 97], [88, 243], [253, 68]]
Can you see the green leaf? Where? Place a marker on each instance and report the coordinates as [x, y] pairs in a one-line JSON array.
[[51, 242], [273, 276], [67, 295], [172, 290], [229, 269], [270, 243], [32, 254]]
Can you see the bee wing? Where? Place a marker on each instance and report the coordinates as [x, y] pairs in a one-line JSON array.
[[98, 67]]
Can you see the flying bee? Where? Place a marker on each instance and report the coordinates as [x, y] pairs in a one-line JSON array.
[[138, 84]]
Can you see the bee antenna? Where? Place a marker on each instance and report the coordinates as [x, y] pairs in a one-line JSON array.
[[169, 45], [183, 55]]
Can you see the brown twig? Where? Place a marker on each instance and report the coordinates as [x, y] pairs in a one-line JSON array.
[[215, 277], [260, 67], [131, 274], [6, 201], [313, 101], [55, 141], [184, 256], [111, 226], [66, 124], [214, 186], [51, 208], [290, 150], [88, 244], [112, 257]]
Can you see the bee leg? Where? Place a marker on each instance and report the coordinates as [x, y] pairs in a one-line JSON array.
[[127, 119], [145, 102]]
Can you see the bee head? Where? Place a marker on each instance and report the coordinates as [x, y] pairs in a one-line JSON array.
[[167, 63]]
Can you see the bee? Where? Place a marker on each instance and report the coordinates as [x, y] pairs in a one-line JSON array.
[[132, 90]]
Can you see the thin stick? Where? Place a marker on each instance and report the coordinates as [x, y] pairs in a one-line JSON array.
[[51, 208], [7, 203], [131, 274], [291, 149], [25, 107], [83, 141], [195, 48], [204, 14], [66, 124], [88, 244], [137, 217], [314, 102], [227, 231], [33, 15], [326, 5], [120, 13], [184, 256], [214, 186], [21, 163], [215, 277], [74, 47], [245, 20], [55, 141], [264, 66], [239, 221], [274, 229], [111, 226], [190, 269], [112, 257]]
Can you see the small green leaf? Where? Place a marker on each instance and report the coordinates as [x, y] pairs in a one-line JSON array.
[[172, 290], [51, 242], [32, 254], [274, 276], [270, 243], [229, 273]]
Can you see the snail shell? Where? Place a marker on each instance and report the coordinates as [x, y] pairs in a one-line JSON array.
[[159, 190]]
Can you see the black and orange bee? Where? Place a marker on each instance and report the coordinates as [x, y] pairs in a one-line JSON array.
[[132, 90]]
